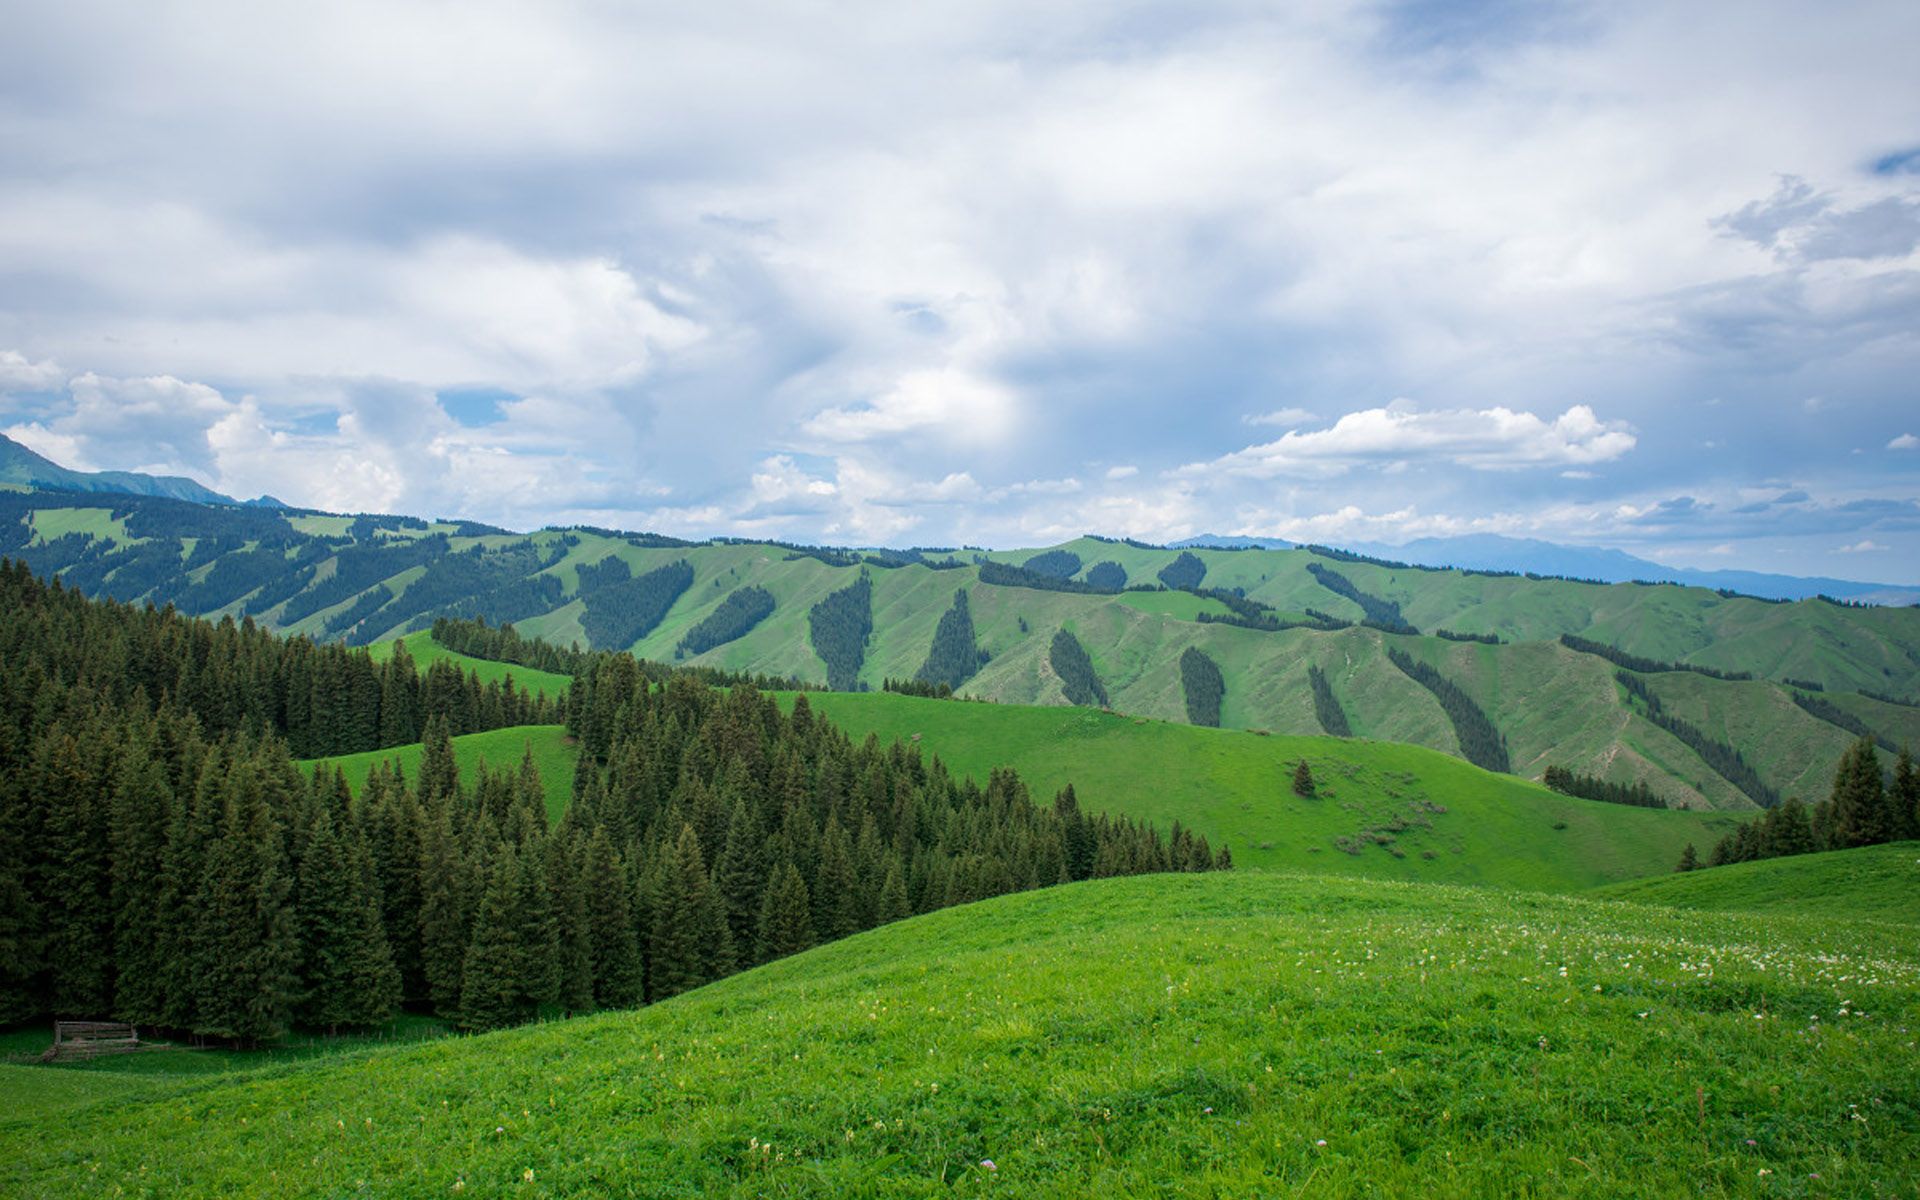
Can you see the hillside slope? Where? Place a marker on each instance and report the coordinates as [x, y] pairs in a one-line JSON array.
[[1382, 810], [1877, 883], [1213, 1035], [369, 579]]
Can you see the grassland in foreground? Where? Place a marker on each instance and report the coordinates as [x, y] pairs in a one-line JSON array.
[[1246, 1034]]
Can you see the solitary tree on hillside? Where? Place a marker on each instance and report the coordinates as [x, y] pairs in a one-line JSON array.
[[1689, 859], [1303, 779]]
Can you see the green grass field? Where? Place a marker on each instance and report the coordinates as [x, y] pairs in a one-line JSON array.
[[1880, 883], [500, 749], [1234, 787], [1225, 1035]]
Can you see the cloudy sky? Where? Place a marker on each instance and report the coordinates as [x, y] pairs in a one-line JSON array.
[[1641, 275]]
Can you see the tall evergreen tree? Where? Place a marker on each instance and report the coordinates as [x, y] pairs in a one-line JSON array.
[[786, 917], [617, 979], [248, 941], [1903, 799], [1859, 799], [493, 991]]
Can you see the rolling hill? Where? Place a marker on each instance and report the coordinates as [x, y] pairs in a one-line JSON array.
[[1266, 618], [1872, 883], [1239, 1034]]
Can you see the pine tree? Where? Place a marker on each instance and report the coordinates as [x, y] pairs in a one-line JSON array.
[[1859, 800], [683, 915], [1303, 780], [1903, 799], [893, 905], [248, 943], [616, 954], [738, 874], [1689, 859], [1789, 829], [439, 774], [142, 799], [542, 966], [445, 923], [74, 879], [834, 911], [493, 994], [786, 917]]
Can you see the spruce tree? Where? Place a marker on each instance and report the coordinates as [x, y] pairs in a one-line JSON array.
[[679, 953], [1789, 829], [445, 922], [1903, 799], [834, 905], [142, 801], [1303, 780], [1859, 800], [493, 993], [893, 905], [786, 917], [1689, 859], [616, 953], [737, 876], [248, 942]]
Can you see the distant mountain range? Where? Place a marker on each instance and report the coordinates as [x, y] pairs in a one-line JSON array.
[[21, 466], [1491, 552]]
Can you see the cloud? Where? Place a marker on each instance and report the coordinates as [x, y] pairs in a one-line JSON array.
[[1284, 417], [1483, 439], [1799, 224], [18, 374], [945, 402], [1905, 441], [1863, 546], [1122, 472]]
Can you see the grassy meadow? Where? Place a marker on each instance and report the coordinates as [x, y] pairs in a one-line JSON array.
[[1442, 820], [1235, 1035]]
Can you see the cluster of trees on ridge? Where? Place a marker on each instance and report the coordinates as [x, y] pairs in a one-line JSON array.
[[157, 868], [954, 656], [1204, 687], [1078, 680], [1589, 787], [1646, 666], [732, 619], [1482, 743], [620, 614], [1724, 759], [1380, 613], [1864, 808], [1326, 706], [839, 627]]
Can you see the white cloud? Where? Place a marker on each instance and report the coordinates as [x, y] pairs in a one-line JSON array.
[[948, 402], [1122, 472], [18, 374], [1286, 418], [1488, 439], [1905, 441], [1863, 546]]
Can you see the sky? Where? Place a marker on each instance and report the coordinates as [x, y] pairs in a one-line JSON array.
[[1625, 274]]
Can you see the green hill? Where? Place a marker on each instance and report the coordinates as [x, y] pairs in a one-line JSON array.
[[499, 749], [1880, 883], [1383, 810], [1246, 1034], [371, 579]]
